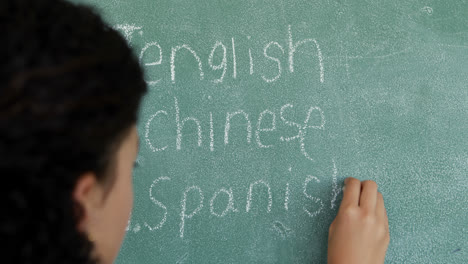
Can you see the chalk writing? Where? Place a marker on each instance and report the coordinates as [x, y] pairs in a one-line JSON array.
[[183, 203], [335, 189], [224, 208], [147, 131], [158, 203], [273, 59], [227, 127], [282, 230], [158, 62], [242, 117], [229, 206], [249, 195], [173, 57], [315, 199], [180, 126], [222, 65], [129, 29]]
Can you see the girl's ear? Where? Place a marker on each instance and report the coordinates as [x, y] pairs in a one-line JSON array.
[[86, 194]]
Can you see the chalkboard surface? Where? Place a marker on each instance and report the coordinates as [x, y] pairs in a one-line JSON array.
[[258, 110]]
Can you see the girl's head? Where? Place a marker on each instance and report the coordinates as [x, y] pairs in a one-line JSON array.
[[70, 89]]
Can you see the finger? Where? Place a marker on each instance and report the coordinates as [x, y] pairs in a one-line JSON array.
[[331, 229], [368, 199], [380, 209], [351, 192]]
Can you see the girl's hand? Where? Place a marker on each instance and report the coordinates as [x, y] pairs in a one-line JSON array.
[[359, 234]]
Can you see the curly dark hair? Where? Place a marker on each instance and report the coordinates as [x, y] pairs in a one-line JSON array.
[[70, 89]]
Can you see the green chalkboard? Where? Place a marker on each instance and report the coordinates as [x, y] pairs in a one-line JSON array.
[[257, 111]]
